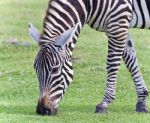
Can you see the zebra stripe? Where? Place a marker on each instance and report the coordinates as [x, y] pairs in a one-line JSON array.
[[53, 63], [141, 14]]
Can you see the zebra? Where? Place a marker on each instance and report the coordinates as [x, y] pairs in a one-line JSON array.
[[61, 27]]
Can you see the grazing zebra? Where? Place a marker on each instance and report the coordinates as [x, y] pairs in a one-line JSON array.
[[62, 24]]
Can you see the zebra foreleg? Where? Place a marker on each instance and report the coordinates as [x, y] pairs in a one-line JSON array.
[[130, 59], [115, 51]]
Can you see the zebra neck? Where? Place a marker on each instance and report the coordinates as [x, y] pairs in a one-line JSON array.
[[61, 15]]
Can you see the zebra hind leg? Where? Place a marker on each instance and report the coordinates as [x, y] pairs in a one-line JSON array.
[[130, 59]]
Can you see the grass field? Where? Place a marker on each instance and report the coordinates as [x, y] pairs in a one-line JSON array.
[[19, 85]]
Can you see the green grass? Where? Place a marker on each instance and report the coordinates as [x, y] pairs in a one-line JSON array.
[[18, 82]]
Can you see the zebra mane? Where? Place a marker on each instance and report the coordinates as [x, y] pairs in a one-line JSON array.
[[33, 31], [50, 1]]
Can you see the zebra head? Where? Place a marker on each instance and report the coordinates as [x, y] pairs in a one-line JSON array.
[[54, 70]]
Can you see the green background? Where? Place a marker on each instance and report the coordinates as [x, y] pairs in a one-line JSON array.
[[19, 86]]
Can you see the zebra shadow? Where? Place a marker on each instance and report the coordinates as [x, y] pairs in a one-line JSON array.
[[77, 108], [90, 109], [16, 109]]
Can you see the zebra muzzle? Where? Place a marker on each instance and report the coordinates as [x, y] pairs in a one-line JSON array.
[[45, 107], [41, 110]]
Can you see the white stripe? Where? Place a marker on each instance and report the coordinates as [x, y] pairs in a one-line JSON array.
[[91, 5], [137, 10], [65, 12], [56, 93], [52, 26], [57, 15], [68, 77], [73, 8], [54, 13], [146, 13], [95, 13], [83, 8]]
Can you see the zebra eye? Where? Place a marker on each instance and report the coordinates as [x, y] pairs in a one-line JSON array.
[[55, 70]]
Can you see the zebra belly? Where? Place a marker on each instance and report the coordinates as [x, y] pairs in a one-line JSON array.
[[98, 28], [99, 14], [141, 14]]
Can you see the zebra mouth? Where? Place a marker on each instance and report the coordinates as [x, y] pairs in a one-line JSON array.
[[42, 110], [46, 107]]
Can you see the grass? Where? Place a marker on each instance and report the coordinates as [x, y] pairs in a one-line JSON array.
[[18, 82]]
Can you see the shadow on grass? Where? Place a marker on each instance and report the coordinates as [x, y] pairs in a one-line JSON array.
[[24, 110], [68, 109], [78, 108], [30, 110], [113, 108]]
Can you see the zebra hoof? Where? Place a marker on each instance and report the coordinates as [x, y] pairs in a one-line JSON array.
[[141, 107], [100, 109]]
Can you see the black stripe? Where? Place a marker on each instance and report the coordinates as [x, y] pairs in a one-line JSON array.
[[88, 6], [58, 20], [99, 12], [141, 10], [79, 9], [104, 12], [69, 10], [136, 16], [94, 6], [148, 5]]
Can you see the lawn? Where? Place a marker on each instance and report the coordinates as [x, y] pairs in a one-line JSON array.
[[19, 85]]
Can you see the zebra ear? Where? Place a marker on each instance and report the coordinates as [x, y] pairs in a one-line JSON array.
[[64, 38], [34, 33]]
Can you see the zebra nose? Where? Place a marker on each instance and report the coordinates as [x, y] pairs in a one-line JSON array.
[[41, 110]]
